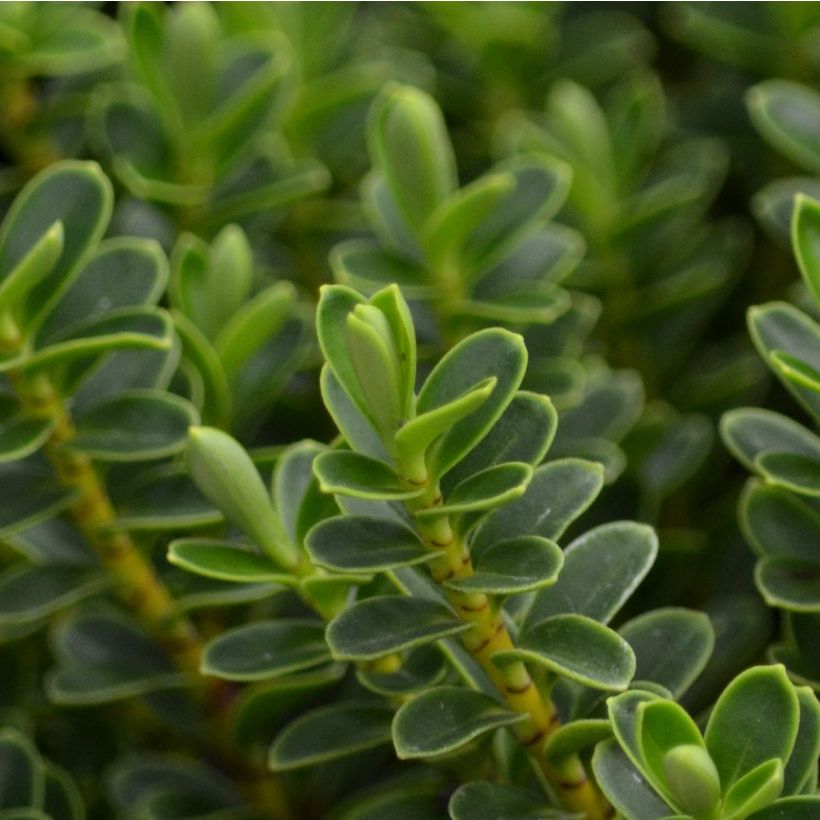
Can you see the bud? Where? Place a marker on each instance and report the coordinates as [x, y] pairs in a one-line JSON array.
[[692, 779]]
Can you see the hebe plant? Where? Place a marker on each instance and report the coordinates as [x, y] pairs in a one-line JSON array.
[[434, 607]]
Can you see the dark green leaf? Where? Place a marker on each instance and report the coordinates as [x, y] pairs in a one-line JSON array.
[[576, 647], [359, 544], [509, 567], [348, 473], [380, 626], [225, 561], [444, 719], [266, 649], [330, 733]]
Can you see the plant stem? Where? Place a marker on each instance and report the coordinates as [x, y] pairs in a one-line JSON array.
[[489, 635], [138, 585]]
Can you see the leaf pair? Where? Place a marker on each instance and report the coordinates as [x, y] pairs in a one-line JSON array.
[[741, 765]]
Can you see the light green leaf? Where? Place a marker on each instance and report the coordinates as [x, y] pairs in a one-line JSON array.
[[353, 543], [380, 626], [418, 433], [32, 268], [330, 733], [522, 564], [755, 790], [737, 738], [806, 747], [692, 779], [227, 477], [576, 647], [409, 145], [486, 354], [805, 231], [266, 649]]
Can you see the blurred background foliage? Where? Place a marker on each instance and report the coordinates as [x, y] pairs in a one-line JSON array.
[[237, 138]]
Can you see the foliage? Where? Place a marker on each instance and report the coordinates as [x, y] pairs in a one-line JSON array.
[[359, 367]]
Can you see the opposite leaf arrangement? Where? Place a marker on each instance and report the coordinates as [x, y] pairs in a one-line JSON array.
[[357, 413]]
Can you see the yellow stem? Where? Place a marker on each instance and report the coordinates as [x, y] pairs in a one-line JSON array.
[[489, 635]]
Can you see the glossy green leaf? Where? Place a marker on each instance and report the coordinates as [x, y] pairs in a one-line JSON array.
[[557, 494], [671, 645], [226, 476], [353, 543], [77, 194], [225, 561], [266, 649], [486, 354], [103, 657], [484, 490], [446, 718], [349, 473], [379, 626], [755, 790], [330, 733], [737, 738], [602, 568], [136, 425], [793, 369], [521, 564], [578, 648], [410, 146]]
